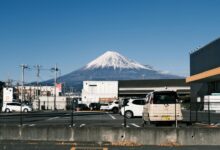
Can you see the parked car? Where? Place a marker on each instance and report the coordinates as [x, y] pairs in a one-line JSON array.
[[162, 106], [104, 107], [15, 107], [82, 107], [133, 108], [114, 106], [94, 106]]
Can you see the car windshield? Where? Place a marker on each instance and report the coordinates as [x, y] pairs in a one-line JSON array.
[[164, 98]]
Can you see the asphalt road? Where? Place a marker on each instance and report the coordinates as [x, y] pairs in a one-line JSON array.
[[80, 119], [36, 145], [88, 119]]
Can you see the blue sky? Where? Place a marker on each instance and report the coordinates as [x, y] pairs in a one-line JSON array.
[[71, 33]]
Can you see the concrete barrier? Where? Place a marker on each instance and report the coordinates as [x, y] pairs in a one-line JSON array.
[[114, 136]]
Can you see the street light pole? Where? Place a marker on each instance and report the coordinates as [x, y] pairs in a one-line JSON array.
[[38, 89], [55, 84], [23, 67]]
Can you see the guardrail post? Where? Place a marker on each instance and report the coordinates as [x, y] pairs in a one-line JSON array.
[[209, 120], [72, 116], [175, 116], [190, 112], [196, 111], [21, 116], [125, 121]]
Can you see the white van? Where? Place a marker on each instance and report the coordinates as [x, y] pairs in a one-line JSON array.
[[162, 106]]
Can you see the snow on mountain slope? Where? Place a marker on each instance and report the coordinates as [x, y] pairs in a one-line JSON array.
[[116, 61], [111, 66]]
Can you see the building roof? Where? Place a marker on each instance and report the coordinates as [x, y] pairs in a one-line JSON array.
[[151, 83], [207, 46]]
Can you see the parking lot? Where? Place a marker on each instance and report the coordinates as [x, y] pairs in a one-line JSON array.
[[80, 119], [85, 119]]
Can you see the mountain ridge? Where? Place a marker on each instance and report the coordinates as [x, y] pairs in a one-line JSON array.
[[111, 66]]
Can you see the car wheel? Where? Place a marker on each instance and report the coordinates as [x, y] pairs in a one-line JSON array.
[[7, 110], [128, 114], [115, 110], [25, 110]]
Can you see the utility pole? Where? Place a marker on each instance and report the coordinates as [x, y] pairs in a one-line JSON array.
[[55, 84], [38, 78], [23, 67]]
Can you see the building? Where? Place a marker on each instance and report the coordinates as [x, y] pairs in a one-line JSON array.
[[99, 91], [106, 91], [47, 103], [8, 94], [31, 92], [205, 71], [140, 88]]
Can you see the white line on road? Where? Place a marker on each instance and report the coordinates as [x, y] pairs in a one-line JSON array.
[[72, 125], [53, 118], [111, 116], [126, 126], [133, 124], [32, 125], [82, 125]]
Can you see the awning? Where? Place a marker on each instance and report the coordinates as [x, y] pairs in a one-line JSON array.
[[207, 76]]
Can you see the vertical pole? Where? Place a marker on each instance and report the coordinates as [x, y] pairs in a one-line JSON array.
[[55, 84], [38, 75], [209, 120], [72, 114], [125, 123], [175, 115], [22, 92], [196, 111], [47, 100], [38, 89], [190, 112]]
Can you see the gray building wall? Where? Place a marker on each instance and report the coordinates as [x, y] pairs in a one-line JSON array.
[[206, 58]]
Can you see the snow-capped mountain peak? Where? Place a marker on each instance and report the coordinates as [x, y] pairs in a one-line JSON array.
[[115, 60]]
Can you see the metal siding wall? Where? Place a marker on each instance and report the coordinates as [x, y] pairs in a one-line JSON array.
[[206, 58]]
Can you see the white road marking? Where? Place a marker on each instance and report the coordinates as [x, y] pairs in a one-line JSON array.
[[72, 125], [32, 125], [82, 125], [111, 116], [53, 118], [133, 124], [126, 126]]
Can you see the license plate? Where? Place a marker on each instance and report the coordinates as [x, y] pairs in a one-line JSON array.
[[166, 118]]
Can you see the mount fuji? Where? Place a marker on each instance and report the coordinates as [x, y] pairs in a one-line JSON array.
[[112, 66]]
